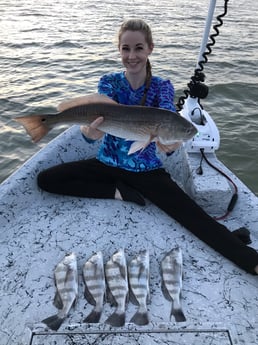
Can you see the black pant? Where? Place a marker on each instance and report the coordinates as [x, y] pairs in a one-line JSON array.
[[93, 179]]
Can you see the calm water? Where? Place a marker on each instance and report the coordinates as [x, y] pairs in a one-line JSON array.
[[50, 51]]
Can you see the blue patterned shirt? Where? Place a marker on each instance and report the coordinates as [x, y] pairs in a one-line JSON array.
[[113, 150]]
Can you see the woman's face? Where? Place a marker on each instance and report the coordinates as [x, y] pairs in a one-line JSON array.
[[134, 51]]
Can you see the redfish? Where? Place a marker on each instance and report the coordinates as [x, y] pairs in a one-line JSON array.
[[139, 124]]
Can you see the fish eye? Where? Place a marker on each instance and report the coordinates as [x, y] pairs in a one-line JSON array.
[[189, 131]]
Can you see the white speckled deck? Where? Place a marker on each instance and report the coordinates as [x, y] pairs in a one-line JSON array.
[[220, 300]]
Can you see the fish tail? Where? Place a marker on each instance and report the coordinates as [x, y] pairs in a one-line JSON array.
[[36, 126], [140, 318], [93, 317], [178, 314], [53, 322], [116, 319]]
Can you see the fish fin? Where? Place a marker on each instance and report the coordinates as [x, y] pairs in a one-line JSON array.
[[132, 298], [116, 319], [178, 314], [89, 296], [110, 298], [93, 98], [75, 301], [165, 291], [127, 297], [35, 126], [123, 271], [58, 303], [137, 146], [140, 318], [148, 301], [140, 145], [53, 322], [93, 317]]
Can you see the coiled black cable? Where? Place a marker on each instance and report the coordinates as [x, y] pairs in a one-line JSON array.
[[196, 87]]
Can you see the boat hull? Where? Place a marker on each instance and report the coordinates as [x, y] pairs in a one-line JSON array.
[[38, 229]]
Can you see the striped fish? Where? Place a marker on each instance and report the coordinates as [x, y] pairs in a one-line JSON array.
[[116, 275], [171, 270], [138, 273], [66, 281], [94, 279]]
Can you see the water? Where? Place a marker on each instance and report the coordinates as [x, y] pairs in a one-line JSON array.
[[50, 51]]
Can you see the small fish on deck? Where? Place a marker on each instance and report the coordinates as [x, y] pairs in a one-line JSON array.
[[66, 281], [138, 273], [117, 281], [140, 124], [172, 272], [95, 286]]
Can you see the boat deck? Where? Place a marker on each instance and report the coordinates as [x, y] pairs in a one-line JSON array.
[[220, 301]]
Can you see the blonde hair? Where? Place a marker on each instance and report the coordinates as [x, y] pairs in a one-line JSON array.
[[139, 25]]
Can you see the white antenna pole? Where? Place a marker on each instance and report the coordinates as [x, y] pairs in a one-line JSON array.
[[206, 31]]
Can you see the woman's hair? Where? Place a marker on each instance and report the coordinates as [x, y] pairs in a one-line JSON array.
[[139, 25], [136, 25]]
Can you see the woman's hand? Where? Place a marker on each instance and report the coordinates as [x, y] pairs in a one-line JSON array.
[[169, 148], [91, 131]]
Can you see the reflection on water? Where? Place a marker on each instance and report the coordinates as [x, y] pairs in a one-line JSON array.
[[55, 50]]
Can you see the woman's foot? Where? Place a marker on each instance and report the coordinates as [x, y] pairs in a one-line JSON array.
[[243, 234]]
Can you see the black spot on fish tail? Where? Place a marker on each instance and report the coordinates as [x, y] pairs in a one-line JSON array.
[[116, 319], [178, 315], [53, 322], [36, 126], [140, 319], [93, 317]]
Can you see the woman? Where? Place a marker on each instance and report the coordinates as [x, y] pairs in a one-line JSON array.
[[115, 174]]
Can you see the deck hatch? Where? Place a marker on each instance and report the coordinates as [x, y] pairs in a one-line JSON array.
[[144, 337]]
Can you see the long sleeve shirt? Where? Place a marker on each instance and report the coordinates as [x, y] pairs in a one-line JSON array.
[[113, 150]]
